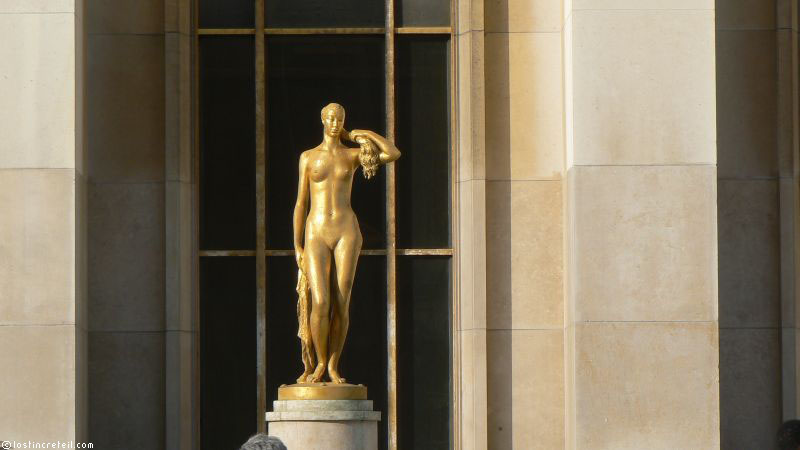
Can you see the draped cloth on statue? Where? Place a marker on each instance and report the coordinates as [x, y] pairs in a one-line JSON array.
[[303, 320]]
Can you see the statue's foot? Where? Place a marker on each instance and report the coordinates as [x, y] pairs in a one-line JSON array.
[[335, 378], [304, 377], [318, 373]]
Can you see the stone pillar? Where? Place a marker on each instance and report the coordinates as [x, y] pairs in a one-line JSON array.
[[325, 424], [131, 340], [524, 225], [42, 227], [641, 226], [788, 143], [753, 207], [470, 382]]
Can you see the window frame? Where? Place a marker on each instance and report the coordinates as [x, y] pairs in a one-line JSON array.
[[390, 31]]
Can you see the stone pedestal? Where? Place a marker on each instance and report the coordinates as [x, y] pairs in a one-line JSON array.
[[325, 424]]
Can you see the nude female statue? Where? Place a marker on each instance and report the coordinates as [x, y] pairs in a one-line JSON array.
[[332, 236]]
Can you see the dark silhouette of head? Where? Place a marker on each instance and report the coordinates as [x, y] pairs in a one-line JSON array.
[[261, 441], [789, 435]]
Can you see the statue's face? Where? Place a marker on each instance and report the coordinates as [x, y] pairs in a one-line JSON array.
[[332, 122]]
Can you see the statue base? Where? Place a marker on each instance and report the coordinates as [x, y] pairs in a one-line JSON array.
[[325, 424], [322, 391]]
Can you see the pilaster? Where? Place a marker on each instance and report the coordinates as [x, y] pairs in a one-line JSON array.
[[43, 341], [641, 226]]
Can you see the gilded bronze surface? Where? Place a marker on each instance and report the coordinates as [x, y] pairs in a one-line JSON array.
[[327, 236], [322, 391]]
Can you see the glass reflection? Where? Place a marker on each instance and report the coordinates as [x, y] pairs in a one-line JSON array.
[[227, 378], [324, 13], [423, 349], [227, 143], [423, 135]]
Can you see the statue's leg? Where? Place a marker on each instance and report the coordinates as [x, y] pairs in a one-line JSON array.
[[346, 255], [317, 258]]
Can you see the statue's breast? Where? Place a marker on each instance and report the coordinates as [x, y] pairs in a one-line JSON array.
[[342, 169], [319, 168]]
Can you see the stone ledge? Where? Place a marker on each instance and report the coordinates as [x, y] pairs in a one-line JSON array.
[[321, 405], [322, 416]]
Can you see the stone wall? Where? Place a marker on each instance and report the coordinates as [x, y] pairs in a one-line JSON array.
[[126, 246], [641, 316], [749, 224], [524, 224], [42, 221]]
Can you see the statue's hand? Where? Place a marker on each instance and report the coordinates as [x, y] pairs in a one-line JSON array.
[[298, 256]]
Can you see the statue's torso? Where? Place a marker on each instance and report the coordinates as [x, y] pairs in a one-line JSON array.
[[330, 176]]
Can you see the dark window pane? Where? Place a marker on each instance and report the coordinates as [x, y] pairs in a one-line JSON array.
[[423, 349], [324, 13], [227, 13], [305, 74], [227, 143], [228, 351], [420, 13], [423, 136], [364, 356]]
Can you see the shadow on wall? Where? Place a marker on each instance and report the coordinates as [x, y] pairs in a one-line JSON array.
[[748, 225], [498, 236]]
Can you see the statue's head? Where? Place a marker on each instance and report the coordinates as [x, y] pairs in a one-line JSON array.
[[332, 119]]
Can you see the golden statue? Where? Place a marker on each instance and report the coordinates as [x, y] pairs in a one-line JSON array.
[[328, 237]]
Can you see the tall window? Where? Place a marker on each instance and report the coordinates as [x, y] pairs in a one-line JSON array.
[[265, 70]]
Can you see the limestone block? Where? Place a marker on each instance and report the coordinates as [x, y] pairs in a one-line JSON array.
[[37, 246], [125, 16], [470, 15], [325, 424], [643, 4], [643, 87], [473, 389], [331, 435], [749, 253], [323, 405], [178, 243], [127, 389], [178, 16], [38, 383], [126, 253], [523, 15], [524, 107], [747, 103], [178, 98], [750, 387], [526, 389], [786, 101], [524, 255], [126, 126], [788, 208], [783, 13], [37, 6], [472, 256], [471, 107], [645, 243], [37, 93], [746, 14], [646, 385], [178, 389]]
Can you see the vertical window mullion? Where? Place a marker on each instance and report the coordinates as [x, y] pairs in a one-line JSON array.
[[391, 235], [261, 194], [455, 308]]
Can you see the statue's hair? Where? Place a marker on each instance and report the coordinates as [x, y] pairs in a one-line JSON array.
[[261, 441], [339, 109], [368, 157]]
